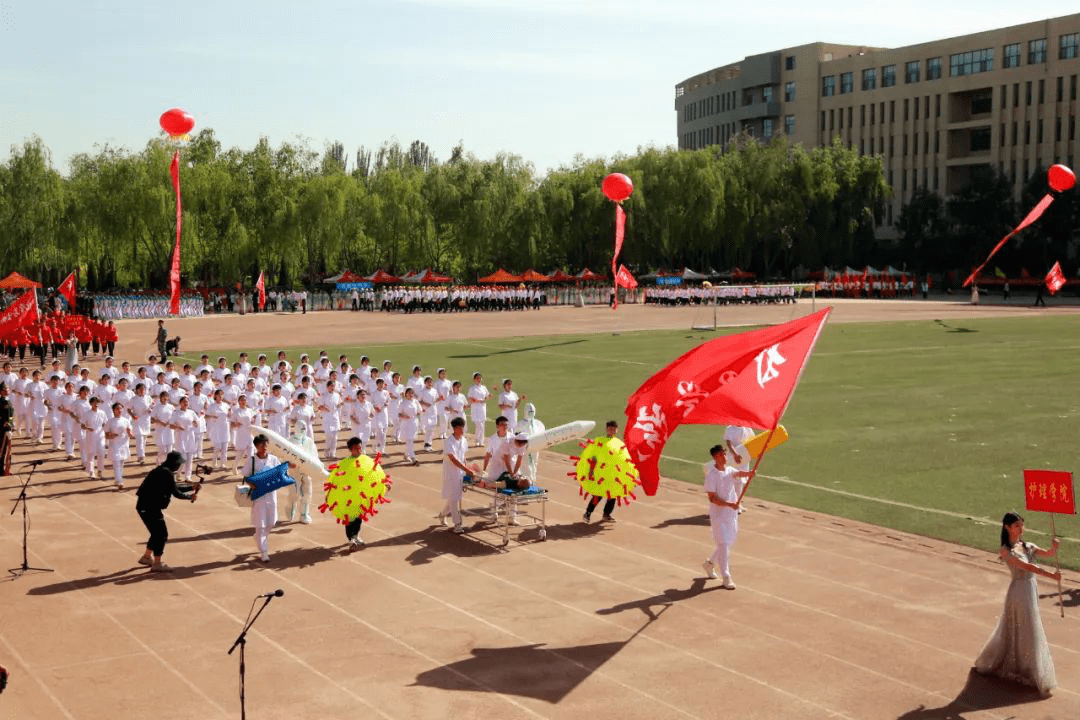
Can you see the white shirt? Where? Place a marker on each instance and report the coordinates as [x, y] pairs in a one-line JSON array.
[[497, 447], [452, 474], [724, 484]]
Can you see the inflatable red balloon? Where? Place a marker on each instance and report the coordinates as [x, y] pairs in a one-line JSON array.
[[617, 187], [1061, 178], [176, 122]]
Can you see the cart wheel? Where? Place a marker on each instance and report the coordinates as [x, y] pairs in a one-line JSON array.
[[543, 534]]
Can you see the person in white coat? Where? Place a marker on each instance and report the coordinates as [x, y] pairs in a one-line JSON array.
[[276, 410], [71, 423], [93, 426], [478, 397], [161, 419], [454, 470], [723, 484], [240, 420], [217, 425], [118, 434], [442, 390], [429, 413], [140, 409], [35, 391], [302, 415], [185, 427], [380, 402], [509, 401], [408, 420], [363, 413], [53, 401]]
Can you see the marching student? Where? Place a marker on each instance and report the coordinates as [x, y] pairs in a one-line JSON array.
[[380, 401], [443, 387], [352, 529], [611, 428], [329, 405], [361, 419], [185, 426], [240, 419], [509, 401], [408, 414], [118, 434], [217, 426], [303, 415], [140, 409], [160, 419], [454, 469], [477, 396], [276, 409], [93, 425], [263, 509], [429, 415]]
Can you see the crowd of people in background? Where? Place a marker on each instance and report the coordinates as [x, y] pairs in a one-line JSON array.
[[724, 295]]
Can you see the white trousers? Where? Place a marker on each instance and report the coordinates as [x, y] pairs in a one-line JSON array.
[[719, 559]]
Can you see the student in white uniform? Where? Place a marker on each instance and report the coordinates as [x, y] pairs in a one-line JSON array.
[[35, 391], [197, 402], [478, 396], [442, 388], [118, 434], [408, 415], [509, 401], [380, 403], [454, 470], [161, 419], [53, 396], [302, 416], [71, 423], [264, 509], [185, 427], [329, 404], [93, 425], [722, 485], [140, 409], [429, 415], [217, 425], [276, 409], [240, 419], [396, 391], [79, 408], [362, 415]]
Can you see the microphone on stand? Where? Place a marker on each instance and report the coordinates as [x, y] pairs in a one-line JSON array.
[[277, 593], [34, 463]]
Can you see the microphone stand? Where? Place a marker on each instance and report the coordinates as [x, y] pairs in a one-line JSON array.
[[241, 641], [25, 567]]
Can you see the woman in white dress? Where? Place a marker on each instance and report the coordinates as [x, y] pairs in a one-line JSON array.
[[429, 413], [509, 401], [302, 415], [362, 414], [1017, 650], [329, 406], [478, 397], [380, 402], [276, 409], [93, 425], [185, 427], [161, 420], [140, 409], [197, 402], [456, 402], [240, 419]]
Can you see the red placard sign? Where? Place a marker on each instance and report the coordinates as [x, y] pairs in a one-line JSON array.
[[1049, 491]]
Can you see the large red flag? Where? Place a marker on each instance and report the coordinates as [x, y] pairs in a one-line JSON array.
[[260, 285], [174, 270], [620, 234], [1055, 279], [22, 312], [67, 289], [745, 379]]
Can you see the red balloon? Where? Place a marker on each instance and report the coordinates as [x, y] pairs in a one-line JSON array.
[[176, 122], [1060, 178], [617, 187]]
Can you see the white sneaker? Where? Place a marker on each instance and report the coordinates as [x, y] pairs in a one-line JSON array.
[[356, 542], [728, 583], [710, 570], [306, 519], [265, 557], [444, 519], [458, 529], [514, 520]]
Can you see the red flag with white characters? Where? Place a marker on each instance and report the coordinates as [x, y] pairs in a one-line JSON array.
[[21, 313], [745, 379], [1055, 279], [174, 269], [260, 285], [68, 289], [624, 279]]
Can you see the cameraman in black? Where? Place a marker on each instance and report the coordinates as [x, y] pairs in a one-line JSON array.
[[154, 494]]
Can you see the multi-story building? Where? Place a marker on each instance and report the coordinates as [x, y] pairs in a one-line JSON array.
[[936, 113]]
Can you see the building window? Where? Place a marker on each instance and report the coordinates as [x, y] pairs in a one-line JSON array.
[[1027, 135], [823, 120], [1057, 129], [1027, 94], [847, 83], [970, 63], [1036, 52], [828, 86], [1012, 56], [1060, 88], [862, 115], [1068, 46], [888, 75], [872, 106], [869, 79], [892, 111], [905, 109], [1014, 132], [937, 106], [915, 143], [748, 97], [789, 124], [789, 62], [982, 102], [766, 93], [1042, 91], [789, 92], [1072, 87], [911, 72], [1038, 131], [980, 139], [767, 127], [933, 68], [905, 144]]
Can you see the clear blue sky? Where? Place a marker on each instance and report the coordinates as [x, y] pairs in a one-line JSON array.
[[544, 79]]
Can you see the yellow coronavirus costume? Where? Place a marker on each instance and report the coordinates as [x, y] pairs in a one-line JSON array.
[[355, 487], [605, 470]]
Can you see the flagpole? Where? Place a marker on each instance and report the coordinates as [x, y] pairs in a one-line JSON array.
[[1057, 564]]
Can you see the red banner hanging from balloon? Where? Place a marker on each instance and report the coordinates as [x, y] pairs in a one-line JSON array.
[[174, 269], [620, 234]]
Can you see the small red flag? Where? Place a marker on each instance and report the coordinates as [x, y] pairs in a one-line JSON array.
[[260, 285], [67, 289], [174, 269], [21, 313], [1055, 279], [745, 379], [624, 279]]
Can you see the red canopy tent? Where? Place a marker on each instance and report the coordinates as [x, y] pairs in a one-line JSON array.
[[560, 276], [381, 277], [531, 275], [588, 274], [15, 281], [429, 277], [346, 277], [499, 276]]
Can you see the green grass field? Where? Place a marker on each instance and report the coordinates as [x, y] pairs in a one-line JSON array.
[[931, 422]]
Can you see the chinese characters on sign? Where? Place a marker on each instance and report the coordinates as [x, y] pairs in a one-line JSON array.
[[1049, 491]]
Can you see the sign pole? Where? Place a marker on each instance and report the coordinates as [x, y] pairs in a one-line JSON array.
[[1057, 564]]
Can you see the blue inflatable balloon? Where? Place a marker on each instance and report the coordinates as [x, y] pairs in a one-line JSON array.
[[269, 480]]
